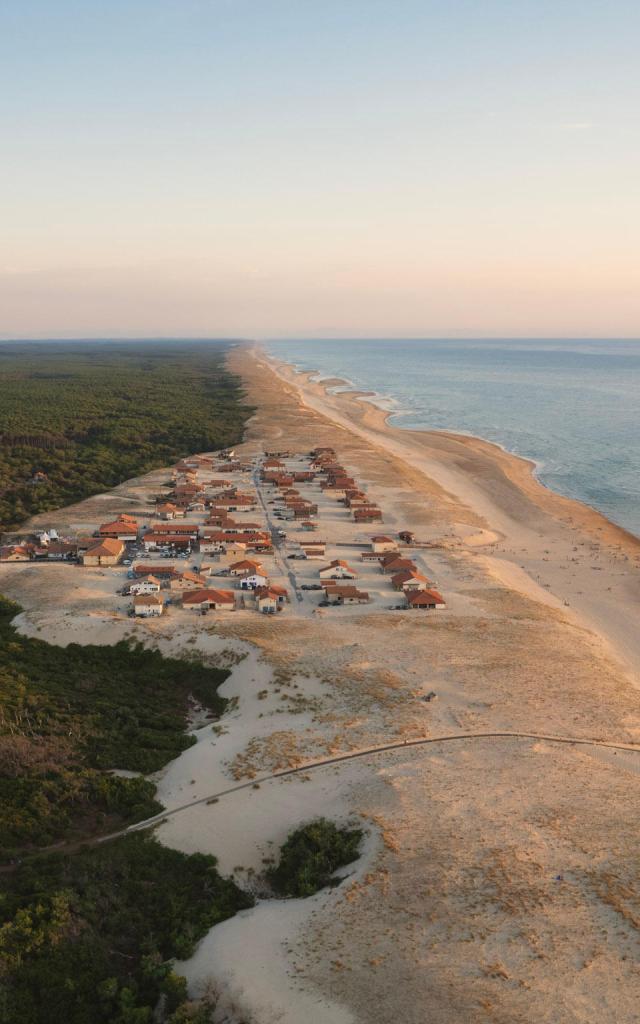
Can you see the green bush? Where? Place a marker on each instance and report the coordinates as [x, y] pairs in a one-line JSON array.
[[88, 939], [310, 856]]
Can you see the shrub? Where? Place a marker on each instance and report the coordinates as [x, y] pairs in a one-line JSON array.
[[310, 856]]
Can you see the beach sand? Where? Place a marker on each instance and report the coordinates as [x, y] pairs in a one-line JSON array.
[[499, 877]]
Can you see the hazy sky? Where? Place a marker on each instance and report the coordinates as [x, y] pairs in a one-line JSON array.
[[319, 167]]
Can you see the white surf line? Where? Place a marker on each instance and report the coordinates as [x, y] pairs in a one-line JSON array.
[[365, 752]]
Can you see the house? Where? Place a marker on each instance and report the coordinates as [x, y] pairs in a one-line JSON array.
[[394, 565], [179, 529], [147, 605], [199, 600], [251, 582], [187, 581], [106, 552], [146, 585], [345, 595], [338, 570], [313, 548], [14, 553], [423, 600], [308, 526], [123, 528], [234, 549], [167, 510], [408, 580], [245, 567], [61, 550], [270, 599], [381, 543], [161, 572], [368, 514], [152, 541]]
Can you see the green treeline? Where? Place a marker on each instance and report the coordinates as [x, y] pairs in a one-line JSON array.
[[77, 419], [87, 936], [87, 939], [69, 714]]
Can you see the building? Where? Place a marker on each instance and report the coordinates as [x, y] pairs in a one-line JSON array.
[[153, 541], [270, 599], [123, 528], [254, 581], [345, 595], [183, 581], [423, 600], [313, 548], [368, 514], [408, 580], [167, 510], [146, 585], [246, 567], [338, 570], [393, 565], [203, 600], [62, 550], [15, 553], [106, 552], [148, 605], [381, 544], [161, 572]]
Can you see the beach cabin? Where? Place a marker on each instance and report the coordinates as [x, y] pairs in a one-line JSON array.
[[338, 570], [409, 580], [253, 581], [147, 585], [124, 528], [203, 600], [381, 544], [148, 605], [187, 581], [106, 552], [246, 567], [424, 600]]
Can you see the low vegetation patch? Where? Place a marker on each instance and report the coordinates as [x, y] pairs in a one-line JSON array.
[[88, 939], [70, 714], [311, 855]]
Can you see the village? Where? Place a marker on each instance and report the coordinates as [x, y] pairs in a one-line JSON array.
[[284, 532]]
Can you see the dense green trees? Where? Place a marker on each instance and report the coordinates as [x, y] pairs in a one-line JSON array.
[[88, 939], [69, 713], [89, 415]]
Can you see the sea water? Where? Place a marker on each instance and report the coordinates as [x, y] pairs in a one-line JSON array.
[[573, 407]]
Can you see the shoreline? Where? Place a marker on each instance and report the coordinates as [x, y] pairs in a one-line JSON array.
[[525, 519], [375, 399]]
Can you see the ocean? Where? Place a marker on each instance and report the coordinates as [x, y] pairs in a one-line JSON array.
[[573, 407]]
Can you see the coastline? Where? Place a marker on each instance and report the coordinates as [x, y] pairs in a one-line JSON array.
[[336, 385], [498, 878], [501, 489]]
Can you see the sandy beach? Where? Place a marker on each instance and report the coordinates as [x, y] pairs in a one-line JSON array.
[[498, 880]]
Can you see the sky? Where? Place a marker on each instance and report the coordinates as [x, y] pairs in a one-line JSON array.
[[319, 168]]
